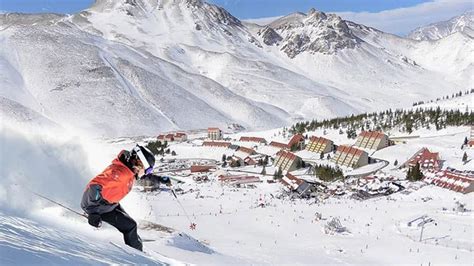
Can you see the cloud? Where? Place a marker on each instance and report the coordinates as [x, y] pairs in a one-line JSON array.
[[403, 20], [262, 21]]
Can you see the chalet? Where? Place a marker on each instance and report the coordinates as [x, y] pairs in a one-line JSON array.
[[235, 161], [244, 152], [426, 159], [254, 159], [180, 136], [350, 157], [373, 140], [294, 183], [172, 137], [214, 133], [253, 139], [287, 161], [248, 151], [319, 145], [218, 144], [201, 168], [279, 145], [458, 181], [291, 182], [296, 143], [169, 137]]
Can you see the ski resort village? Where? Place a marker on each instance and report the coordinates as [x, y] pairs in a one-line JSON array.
[[172, 132]]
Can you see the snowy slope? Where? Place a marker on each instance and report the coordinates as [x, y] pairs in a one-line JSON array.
[[463, 23], [58, 165], [450, 57], [464, 103], [139, 67]]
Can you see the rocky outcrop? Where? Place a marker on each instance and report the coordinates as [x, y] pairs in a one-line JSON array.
[[315, 32], [269, 36]]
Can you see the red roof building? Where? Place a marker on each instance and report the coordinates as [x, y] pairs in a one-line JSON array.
[[291, 181], [350, 157], [173, 137], [458, 181], [253, 139], [216, 144], [287, 161], [169, 137], [296, 142], [373, 140], [246, 150], [201, 168], [214, 133], [279, 145], [426, 159], [319, 145], [180, 136]]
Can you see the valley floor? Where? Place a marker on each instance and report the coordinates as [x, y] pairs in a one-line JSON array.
[[232, 226]]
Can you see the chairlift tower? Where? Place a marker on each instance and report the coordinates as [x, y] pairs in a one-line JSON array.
[[426, 220]]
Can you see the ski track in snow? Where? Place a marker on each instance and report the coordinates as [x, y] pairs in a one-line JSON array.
[[126, 84]]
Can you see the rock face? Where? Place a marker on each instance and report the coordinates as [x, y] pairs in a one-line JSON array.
[[463, 23], [269, 36], [315, 32]]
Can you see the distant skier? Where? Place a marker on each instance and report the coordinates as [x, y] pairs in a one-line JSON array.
[[103, 193]]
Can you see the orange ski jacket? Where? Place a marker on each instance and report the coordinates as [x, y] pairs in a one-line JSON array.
[[116, 181]]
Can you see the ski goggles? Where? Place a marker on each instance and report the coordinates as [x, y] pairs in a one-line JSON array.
[[149, 170]]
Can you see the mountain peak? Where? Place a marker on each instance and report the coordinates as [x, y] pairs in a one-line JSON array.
[[463, 23], [313, 13], [315, 32]]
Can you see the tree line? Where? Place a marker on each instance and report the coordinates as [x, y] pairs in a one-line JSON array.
[[404, 120]]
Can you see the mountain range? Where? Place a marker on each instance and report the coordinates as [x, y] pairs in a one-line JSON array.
[[138, 67]]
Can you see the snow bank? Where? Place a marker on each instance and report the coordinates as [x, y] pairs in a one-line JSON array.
[[47, 163], [28, 242]]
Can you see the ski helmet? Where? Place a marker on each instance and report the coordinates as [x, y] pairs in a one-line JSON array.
[[146, 157]]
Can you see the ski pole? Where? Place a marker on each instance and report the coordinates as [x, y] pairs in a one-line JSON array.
[[55, 202], [59, 204], [192, 225]]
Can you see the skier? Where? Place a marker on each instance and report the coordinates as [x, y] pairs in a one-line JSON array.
[[103, 193]]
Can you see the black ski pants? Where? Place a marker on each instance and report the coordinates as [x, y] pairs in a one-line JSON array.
[[125, 224]]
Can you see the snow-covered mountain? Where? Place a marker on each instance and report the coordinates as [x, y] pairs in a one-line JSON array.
[[463, 23], [135, 67]]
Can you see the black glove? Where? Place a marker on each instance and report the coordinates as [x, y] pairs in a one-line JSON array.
[[94, 220], [161, 179]]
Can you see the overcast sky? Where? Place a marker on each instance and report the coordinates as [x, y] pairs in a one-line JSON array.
[[394, 16]]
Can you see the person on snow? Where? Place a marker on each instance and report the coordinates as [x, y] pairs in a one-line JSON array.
[[101, 199]]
